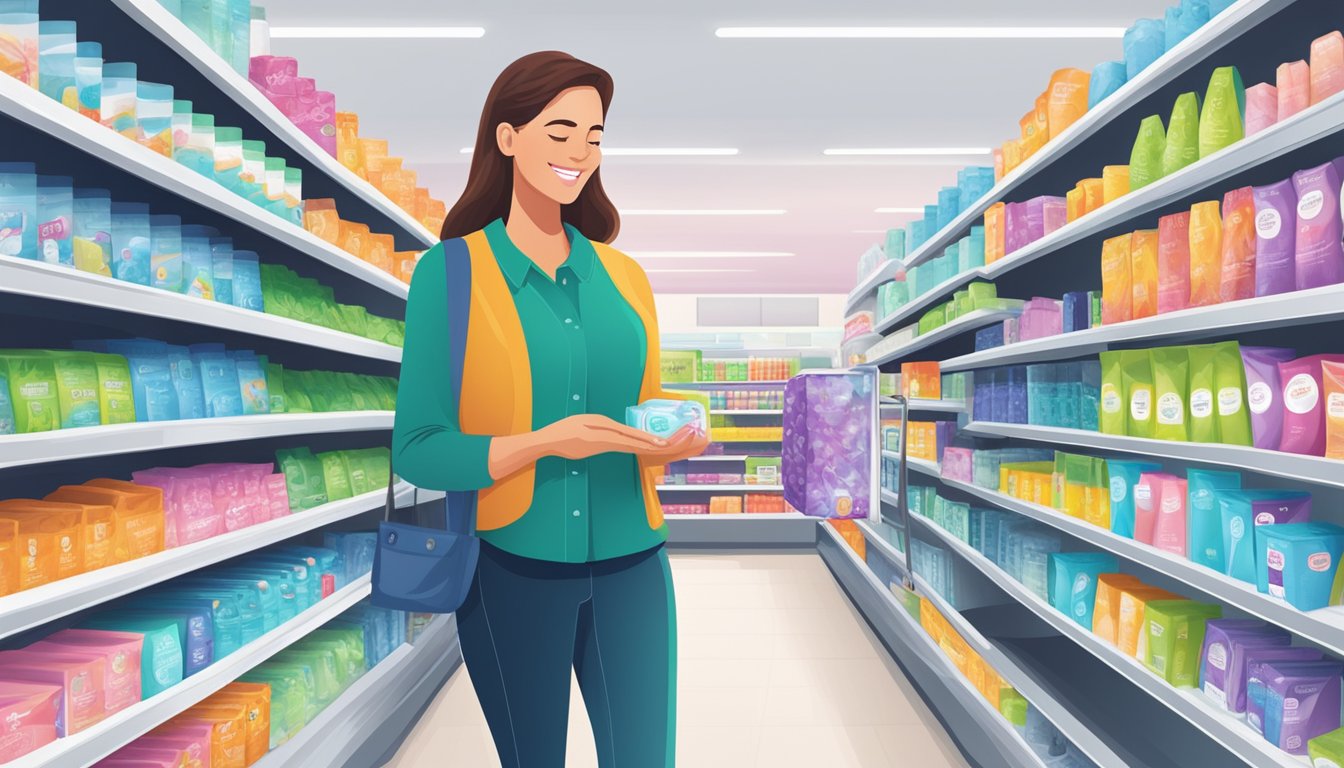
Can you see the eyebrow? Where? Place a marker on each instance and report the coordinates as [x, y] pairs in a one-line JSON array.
[[571, 124]]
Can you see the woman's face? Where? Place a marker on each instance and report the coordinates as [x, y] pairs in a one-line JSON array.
[[558, 151]]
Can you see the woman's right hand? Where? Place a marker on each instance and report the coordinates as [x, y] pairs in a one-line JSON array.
[[586, 435]]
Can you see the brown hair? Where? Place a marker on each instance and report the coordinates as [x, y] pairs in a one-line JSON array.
[[519, 94]]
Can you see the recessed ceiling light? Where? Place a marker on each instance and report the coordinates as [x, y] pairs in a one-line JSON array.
[[370, 33], [704, 212], [907, 151], [641, 255], [922, 33], [656, 151], [898, 210], [693, 271]]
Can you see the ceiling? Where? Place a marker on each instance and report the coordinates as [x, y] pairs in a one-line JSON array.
[[780, 102]]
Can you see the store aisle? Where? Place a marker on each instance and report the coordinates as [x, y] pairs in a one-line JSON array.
[[776, 670]]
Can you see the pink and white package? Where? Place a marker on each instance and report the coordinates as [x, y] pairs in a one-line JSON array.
[[277, 492], [188, 504], [958, 464], [121, 652], [1293, 83], [1025, 223], [270, 73], [27, 717], [1304, 404], [1262, 107], [829, 424]]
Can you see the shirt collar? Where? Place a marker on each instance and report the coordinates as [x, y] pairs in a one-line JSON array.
[[515, 264]]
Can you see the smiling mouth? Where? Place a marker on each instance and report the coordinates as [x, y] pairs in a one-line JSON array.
[[567, 175]]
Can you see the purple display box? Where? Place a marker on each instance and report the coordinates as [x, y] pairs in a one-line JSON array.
[[827, 457]]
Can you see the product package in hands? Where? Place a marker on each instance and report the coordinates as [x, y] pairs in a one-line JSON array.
[[828, 437], [664, 418]]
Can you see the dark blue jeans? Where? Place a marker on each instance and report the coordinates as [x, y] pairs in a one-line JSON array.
[[527, 622]]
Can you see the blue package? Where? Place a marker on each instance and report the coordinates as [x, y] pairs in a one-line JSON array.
[[1204, 519], [949, 205], [251, 383], [976, 244], [93, 231], [1016, 412], [915, 235], [1144, 43], [165, 252], [1073, 582], [1218, 6], [1124, 475], [1183, 19], [1296, 562], [56, 62], [198, 269], [974, 183], [55, 219], [219, 380], [1068, 395], [257, 599], [982, 405], [1107, 77], [225, 617], [131, 240], [1077, 311], [221, 251], [356, 548], [989, 337], [6, 405], [18, 210], [1243, 512], [931, 227], [187, 382], [1089, 408], [247, 281], [1001, 396], [151, 376]]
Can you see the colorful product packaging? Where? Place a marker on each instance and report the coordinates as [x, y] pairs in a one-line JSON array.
[[1318, 251], [89, 78], [1205, 517], [1171, 377], [91, 242], [1143, 272], [1237, 279], [1297, 562], [1146, 159], [1182, 146], [1174, 633], [1304, 405], [1117, 290], [1223, 672], [1276, 237], [29, 711], [1257, 659], [1220, 122], [1114, 183], [1073, 582], [1206, 254], [1137, 374], [1302, 701], [1262, 107], [1327, 66], [1242, 511], [1264, 393], [1173, 262], [1293, 80], [1332, 380]]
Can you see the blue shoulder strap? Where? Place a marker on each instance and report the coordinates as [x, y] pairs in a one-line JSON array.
[[460, 506]]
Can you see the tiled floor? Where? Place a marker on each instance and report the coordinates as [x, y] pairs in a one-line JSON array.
[[776, 670]]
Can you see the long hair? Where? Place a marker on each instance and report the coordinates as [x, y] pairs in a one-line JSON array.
[[522, 90]]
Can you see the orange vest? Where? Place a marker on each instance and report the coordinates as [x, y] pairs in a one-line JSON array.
[[500, 402]]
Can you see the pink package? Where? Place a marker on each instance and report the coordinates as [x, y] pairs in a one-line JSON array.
[[1054, 213], [1148, 495], [1170, 524], [1016, 229], [197, 748], [80, 681], [135, 753], [1041, 317], [1173, 262], [1304, 405], [238, 493], [1318, 251], [188, 503], [1327, 66], [187, 732], [1294, 87], [1262, 107], [1264, 393], [121, 651], [270, 72], [28, 712], [139, 762], [958, 464], [314, 114], [277, 491], [1275, 238]]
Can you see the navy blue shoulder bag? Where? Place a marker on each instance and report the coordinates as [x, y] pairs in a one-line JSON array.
[[430, 569]]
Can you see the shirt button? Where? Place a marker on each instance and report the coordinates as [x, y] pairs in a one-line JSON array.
[[574, 472], [568, 320], [576, 398], [576, 513], [564, 281]]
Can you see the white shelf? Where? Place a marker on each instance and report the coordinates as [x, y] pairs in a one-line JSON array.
[[875, 538], [706, 487], [47, 281], [94, 743], [925, 300], [1190, 704], [1324, 627], [109, 440], [197, 54], [34, 607], [885, 271], [49, 116], [740, 516], [747, 412], [878, 355], [1236, 317], [1307, 469], [716, 384], [929, 405], [721, 458]]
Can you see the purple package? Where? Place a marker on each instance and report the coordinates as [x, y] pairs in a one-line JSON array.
[[1041, 317], [958, 464], [1318, 250], [1264, 396], [1016, 412], [1016, 227], [1223, 657], [1304, 405], [1255, 662], [1001, 395], [1077, 314], [1302, 701], [1275, 238], [944, 433], [1054, 213], [828, 438], [982, 406]]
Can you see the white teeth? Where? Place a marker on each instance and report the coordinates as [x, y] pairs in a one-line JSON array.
[[566, 174]]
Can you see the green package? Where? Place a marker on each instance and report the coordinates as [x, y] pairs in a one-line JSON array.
[[116, 399], [1327, 749], [317, 384], [77, 389], [1094, 298], [1173, 631], [1203, 391], [304, 478], [341, 654], [296, 392], [289, 706], [1182, 147], [1057, 477], [352, 636], [1136, 370], [1111, 419], [1145, 160], [335, 475], [6, 405], [765, 469], [1013, 706], [291, 673], [337, 389], [1220, 124], [679, 366], [1171, 377], [33, 392], [327, 679], [1229, 378]]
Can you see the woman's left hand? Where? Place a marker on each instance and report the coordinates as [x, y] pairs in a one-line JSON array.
[[687, 442]]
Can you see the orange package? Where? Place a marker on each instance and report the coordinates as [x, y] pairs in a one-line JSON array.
[[1327, 66], [1067, 98], [405, 262], [849, 531], [320, 218], [1293, 84], [9, 557], [391, 176], [1206, 254], [1012, 155], [1114, 183], [1143, 272], [348, 148], [139, 514], [1073, 204], [421, 207], [1173, 262], [1117, 290], [60, 527], [1133, 604], [375, 152], [1106, 613], [1238, 257], [994, 232], [256, 697], [1035, 127], [922, 380], [381, 248], [1094, 194], [355, 239], [1332, 377], [228, 736], [998, 164]]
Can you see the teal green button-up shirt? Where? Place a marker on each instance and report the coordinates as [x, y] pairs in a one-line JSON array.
[[587, 349]]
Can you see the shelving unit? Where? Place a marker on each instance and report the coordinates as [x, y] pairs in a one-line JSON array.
[[882, 353], [930, 406], [748, 487], [94, 743]]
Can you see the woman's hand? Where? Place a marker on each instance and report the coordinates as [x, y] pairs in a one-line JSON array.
[[687, 442], [586, 435]]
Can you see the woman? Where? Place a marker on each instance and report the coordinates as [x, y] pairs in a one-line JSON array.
[[562, 337]]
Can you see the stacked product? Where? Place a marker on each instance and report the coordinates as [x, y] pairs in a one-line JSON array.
[[1043, 317], [751, 369], [288, 294], [829, 418], [975, 297], [1049, 394], [321, 218], [316, 479]]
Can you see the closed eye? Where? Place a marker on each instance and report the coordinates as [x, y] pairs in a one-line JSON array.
[[557, 138], [595, 143]]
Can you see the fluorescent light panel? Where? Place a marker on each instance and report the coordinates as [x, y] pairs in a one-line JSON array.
[[642, 255], [373, 33], [907, 151], [704, 212], [656, 151], [922, 33]]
